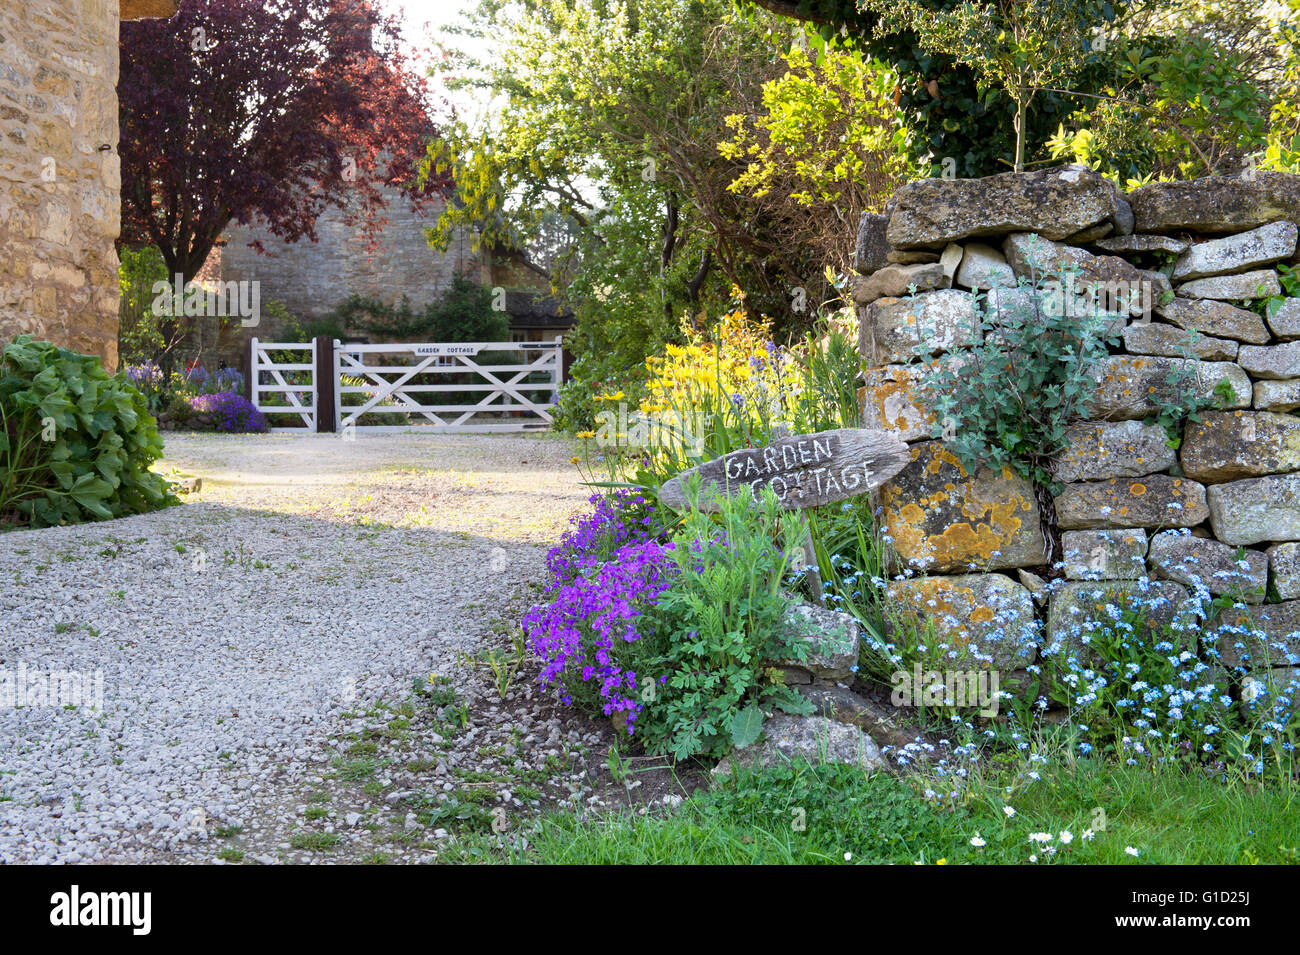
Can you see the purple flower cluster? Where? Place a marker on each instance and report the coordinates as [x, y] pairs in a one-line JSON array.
[[146, 375], [593, 616], [233, 412], [595, 537], [195, 376]]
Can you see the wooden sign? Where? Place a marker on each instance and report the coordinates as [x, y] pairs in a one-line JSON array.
[[803, 470]]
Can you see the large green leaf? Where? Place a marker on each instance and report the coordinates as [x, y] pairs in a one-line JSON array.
[[747, 726]]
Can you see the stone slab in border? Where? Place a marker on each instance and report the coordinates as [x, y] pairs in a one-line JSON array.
[[1237, 253], [1216, 318], [1254, 510], [1275, 395], [983, 619], [1202, 562], [1284, 566], [1271, 361], [816, 739], [1230, 445], [1104, 554], [941, 519], [1132, 386], [1096, 450], [892, 400], [894, 330], [1131, 244], [830, 638], [1262, 283], [1157, 500]]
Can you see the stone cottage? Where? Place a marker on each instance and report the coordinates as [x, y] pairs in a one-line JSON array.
[[311, 279], [60, 175]]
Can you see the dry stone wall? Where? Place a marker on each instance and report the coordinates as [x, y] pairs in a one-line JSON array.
[[1175, 267]]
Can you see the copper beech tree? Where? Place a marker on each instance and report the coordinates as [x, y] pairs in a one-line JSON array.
[[270, 110]]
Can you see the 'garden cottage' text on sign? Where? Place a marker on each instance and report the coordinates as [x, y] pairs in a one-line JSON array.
[[805, 470]]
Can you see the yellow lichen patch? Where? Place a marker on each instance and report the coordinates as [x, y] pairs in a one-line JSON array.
[[1137, 490], [941, 519], [962, 543], [890, 398]]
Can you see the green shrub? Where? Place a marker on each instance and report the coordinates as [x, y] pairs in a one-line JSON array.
[[716, 625], [75, 442], [464, 314]]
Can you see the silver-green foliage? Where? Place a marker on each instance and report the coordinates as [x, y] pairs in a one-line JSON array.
[[1007, 401]]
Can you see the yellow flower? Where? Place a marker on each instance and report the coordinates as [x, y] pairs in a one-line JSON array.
[[574, 459], [942, 862], [586, 434]]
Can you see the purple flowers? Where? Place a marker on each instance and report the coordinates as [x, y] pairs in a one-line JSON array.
[[232, 412], [591, 619], [621, 518], [605, 572]]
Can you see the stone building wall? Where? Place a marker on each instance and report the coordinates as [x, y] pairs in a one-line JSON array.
[[59, 173], [314, 278], [311, 279], [1220, 513]]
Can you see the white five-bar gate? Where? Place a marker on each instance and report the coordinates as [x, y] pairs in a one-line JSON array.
[[291, 388], [456, 387]]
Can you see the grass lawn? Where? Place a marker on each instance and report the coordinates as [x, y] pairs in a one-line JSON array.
[[834, 814]]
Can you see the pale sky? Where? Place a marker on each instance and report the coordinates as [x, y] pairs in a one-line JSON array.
[[426, 18]]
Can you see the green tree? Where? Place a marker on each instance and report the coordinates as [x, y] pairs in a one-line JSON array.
[[1019, 46], [139, 331], [1190, 94], [825, 138], [954, 110], [464, 313], [606, 136]]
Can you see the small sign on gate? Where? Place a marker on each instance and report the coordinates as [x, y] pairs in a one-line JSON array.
[[446, 349]]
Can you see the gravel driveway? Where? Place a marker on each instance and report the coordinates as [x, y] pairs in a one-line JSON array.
[[257, 645]]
